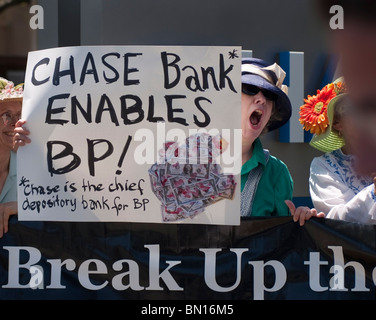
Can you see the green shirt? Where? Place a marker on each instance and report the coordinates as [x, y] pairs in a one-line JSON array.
[[274, 187]]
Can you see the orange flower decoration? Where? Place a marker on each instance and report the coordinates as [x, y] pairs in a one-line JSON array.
[[313, 114]]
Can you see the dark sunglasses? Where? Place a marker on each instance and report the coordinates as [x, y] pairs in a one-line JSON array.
[[252, 90]]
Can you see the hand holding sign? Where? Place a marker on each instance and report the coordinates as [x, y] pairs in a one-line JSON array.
[[302, 214], [21, 136]]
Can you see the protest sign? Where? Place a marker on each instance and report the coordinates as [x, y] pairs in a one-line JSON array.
[[140, 134], [261, 259]]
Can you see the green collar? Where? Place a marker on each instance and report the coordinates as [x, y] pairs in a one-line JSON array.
[[257, 158]]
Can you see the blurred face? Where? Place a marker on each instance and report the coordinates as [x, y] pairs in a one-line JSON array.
[[255, 112], [356, 45], [348, 130], [10, 113], [357, 49]]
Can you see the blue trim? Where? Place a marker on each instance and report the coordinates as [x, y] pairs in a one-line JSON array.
[[284, 132], [303, 201], [284, 62], [307, 136]]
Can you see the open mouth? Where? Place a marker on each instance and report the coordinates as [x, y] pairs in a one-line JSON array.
[[255, 117]]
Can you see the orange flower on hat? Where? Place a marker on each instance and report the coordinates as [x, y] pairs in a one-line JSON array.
[[313, 114]]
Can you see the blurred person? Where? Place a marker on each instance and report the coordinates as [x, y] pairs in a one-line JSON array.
[[355, 45], [337, 190], [10, 112]]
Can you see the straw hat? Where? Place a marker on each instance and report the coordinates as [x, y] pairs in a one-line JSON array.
[[317, 115], [9, 92]]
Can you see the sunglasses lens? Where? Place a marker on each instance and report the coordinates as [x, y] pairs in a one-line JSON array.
[[253, 90], [250, 89], [269, 95]]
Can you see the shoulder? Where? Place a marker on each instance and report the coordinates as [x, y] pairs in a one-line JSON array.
[[277, 167], [325, 169], [276, 163], [324, 161]]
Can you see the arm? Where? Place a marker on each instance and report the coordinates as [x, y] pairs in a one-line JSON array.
[[361, 208], [326, 190], [338, 201]]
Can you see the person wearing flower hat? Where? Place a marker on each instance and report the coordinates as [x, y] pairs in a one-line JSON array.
[[337, 190], [265, 180], [10, 113]]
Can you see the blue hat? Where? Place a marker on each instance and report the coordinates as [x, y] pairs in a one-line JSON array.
[[259, 73]]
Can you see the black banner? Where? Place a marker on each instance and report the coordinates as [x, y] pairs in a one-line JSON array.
[[262, 259]]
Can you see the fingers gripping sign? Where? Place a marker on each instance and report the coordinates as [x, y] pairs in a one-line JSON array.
[[21, 135], [302, 214]]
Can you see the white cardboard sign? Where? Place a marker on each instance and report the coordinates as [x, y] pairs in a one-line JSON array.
[[132, 134]]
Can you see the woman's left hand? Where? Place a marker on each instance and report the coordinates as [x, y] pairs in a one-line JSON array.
[[20, 135], [302, 214]]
